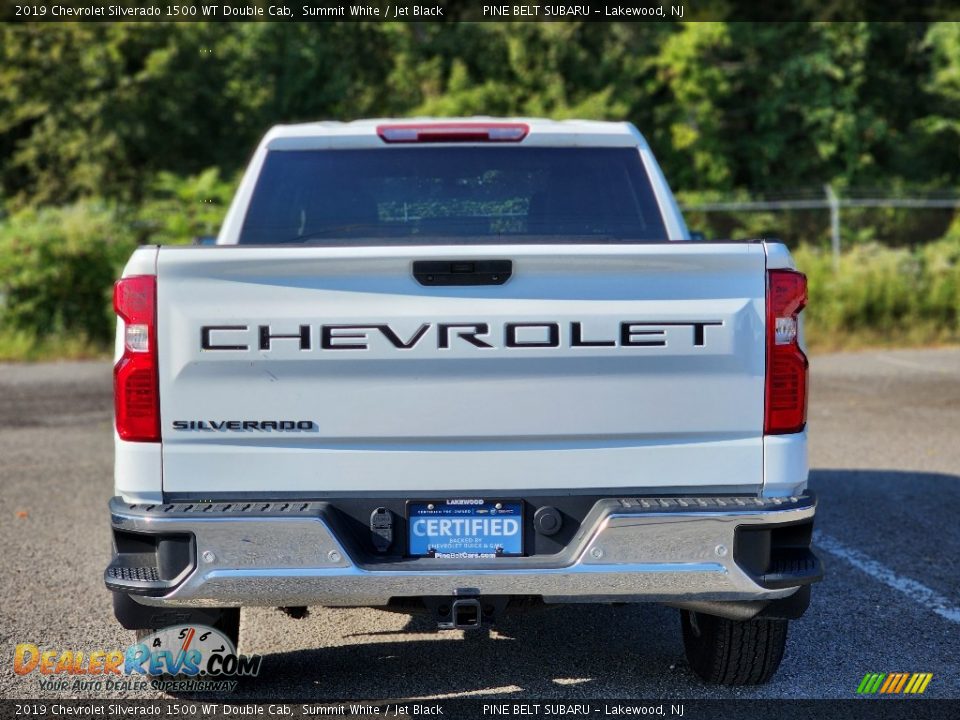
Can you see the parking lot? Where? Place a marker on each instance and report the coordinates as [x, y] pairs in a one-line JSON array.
[[885, 453]]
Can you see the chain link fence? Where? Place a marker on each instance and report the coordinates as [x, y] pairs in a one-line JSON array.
[[828, 215]]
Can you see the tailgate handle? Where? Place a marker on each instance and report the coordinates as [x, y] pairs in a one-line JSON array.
[[462, 272]]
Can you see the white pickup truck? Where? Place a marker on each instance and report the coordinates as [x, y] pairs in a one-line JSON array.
[[464, 368]]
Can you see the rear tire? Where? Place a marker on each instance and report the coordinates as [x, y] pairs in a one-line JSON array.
[[733, 652]]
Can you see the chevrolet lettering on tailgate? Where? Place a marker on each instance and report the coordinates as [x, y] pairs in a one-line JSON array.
[[477, 334]]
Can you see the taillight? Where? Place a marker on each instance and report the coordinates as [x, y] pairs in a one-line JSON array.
[[453, 132], [135, 386], [786, 389]]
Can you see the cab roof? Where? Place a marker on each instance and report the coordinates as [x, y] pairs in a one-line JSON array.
[[539, 132]]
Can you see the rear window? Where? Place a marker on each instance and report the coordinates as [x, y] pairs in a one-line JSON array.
[[452, 194]]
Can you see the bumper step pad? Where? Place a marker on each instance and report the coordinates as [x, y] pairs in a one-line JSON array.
[[801, 566], [134, 572]]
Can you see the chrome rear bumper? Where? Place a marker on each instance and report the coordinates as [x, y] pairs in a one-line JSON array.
[[627, 550]]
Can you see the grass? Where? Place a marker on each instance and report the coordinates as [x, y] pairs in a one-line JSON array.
[[872, 340], [22, 346], [883, 297]]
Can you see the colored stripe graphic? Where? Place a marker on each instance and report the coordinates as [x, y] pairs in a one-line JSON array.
[[903, 681], [894, 683], [913, 681], [918, 683], [891, 680], [871, 683]]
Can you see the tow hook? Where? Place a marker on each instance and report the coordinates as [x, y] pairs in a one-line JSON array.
[[466, 614], [466, 610]]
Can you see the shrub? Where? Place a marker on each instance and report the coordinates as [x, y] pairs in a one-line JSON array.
[[57, 267], [940, 299], [891, 295]]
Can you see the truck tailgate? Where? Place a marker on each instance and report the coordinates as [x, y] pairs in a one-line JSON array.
[[599, 367]]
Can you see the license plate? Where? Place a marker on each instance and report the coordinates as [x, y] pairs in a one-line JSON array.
[[466, 528]]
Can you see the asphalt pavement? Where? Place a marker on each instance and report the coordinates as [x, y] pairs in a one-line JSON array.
[[885, 453]]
